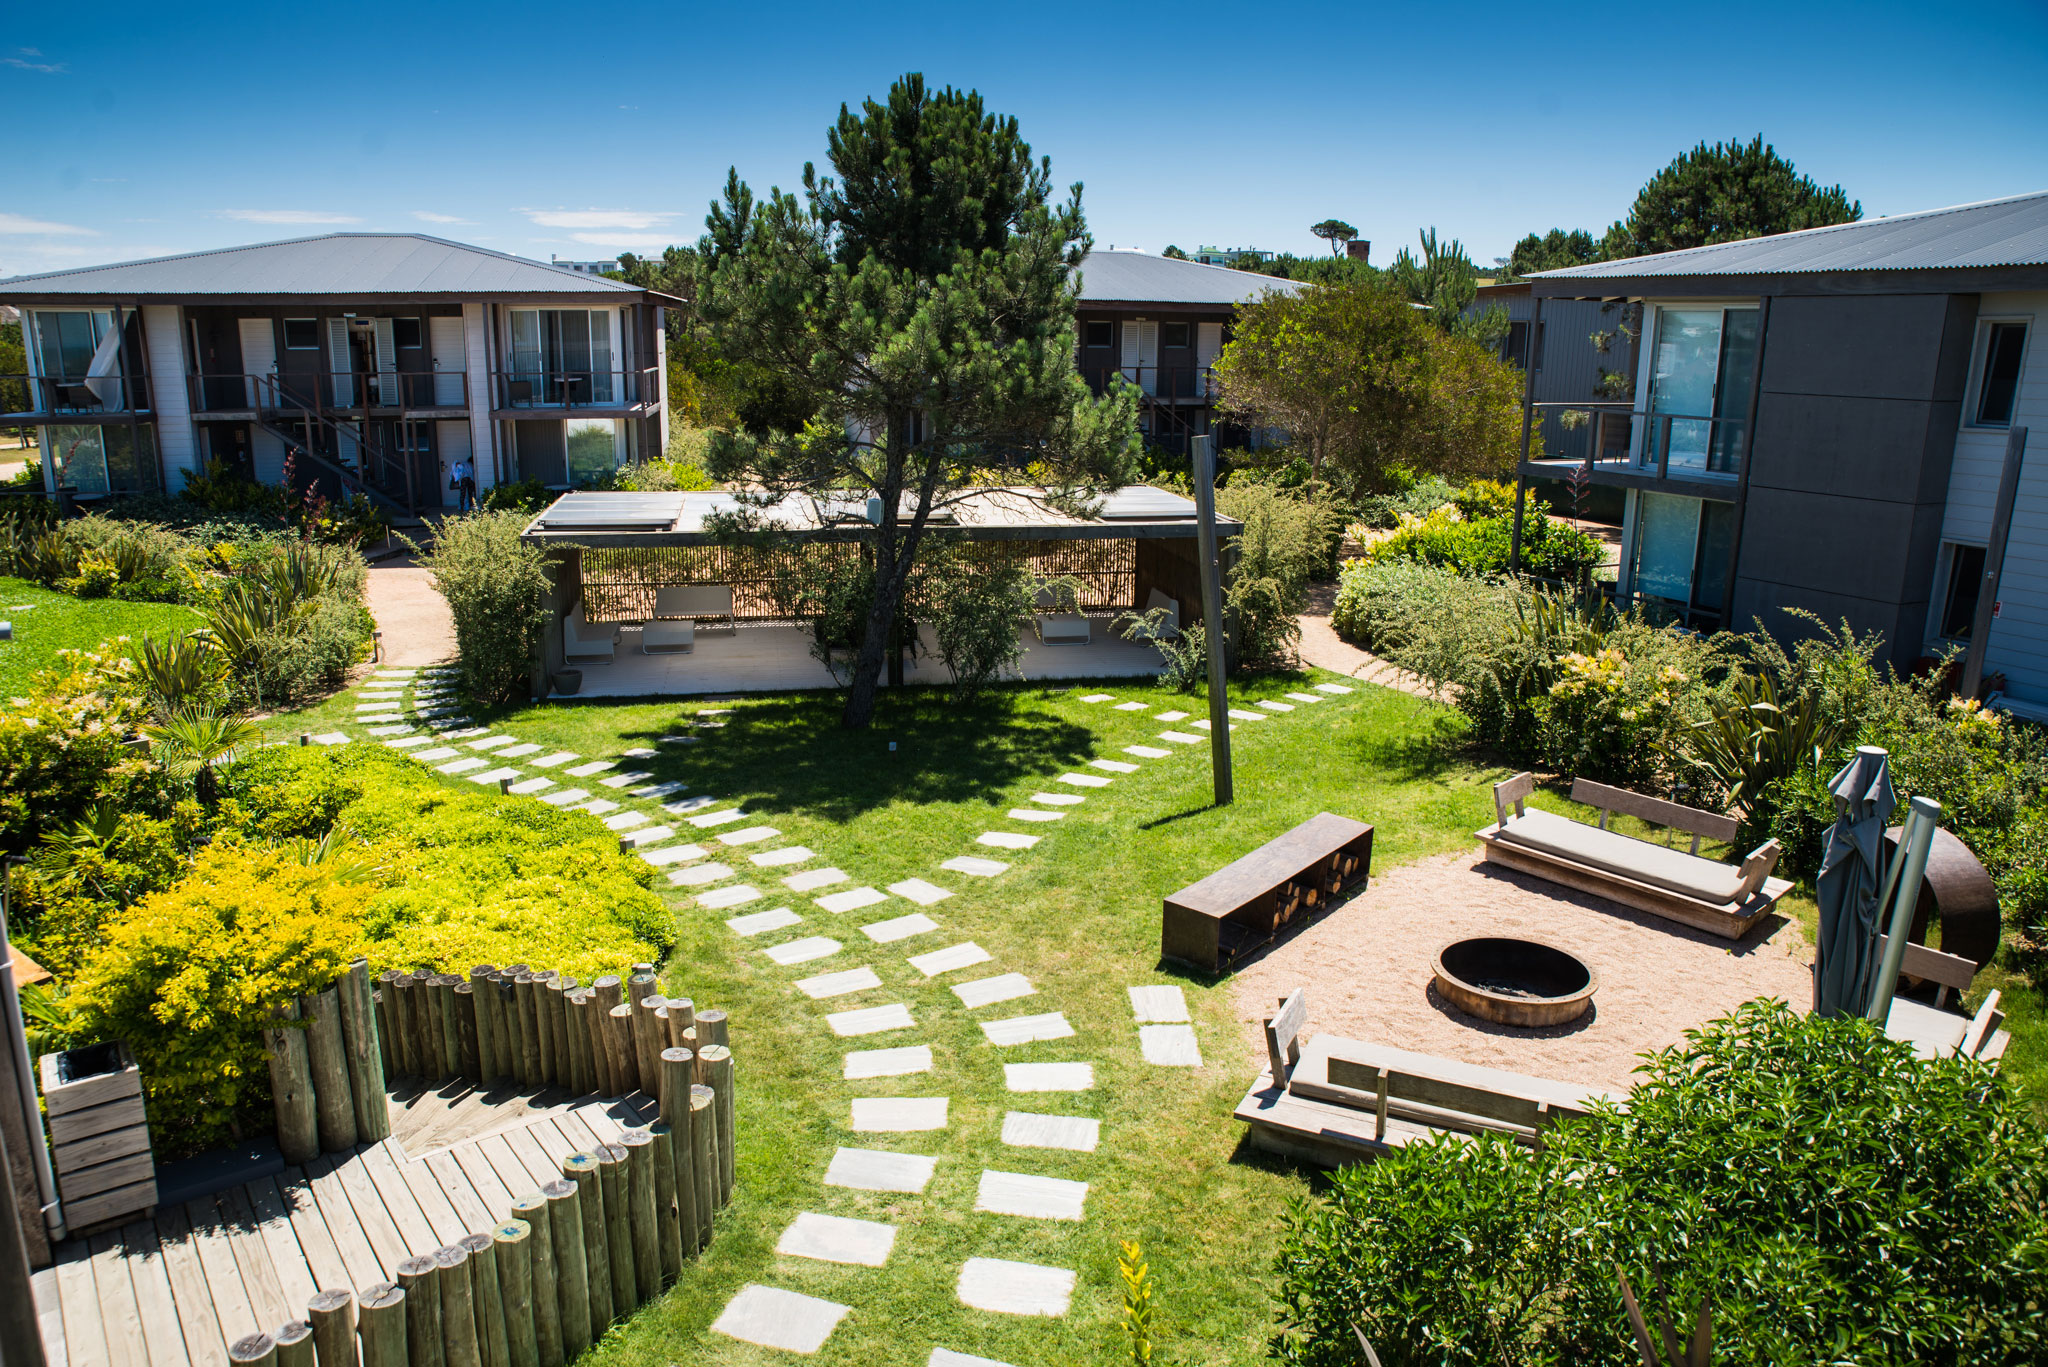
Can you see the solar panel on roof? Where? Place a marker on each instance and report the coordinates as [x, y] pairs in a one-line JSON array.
[[636, 512], [1145, 504]]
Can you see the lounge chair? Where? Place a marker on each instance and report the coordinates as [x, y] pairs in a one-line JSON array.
[[1168, 628], [695, 601], [586, 641], [1058, 628], [1724, 899]]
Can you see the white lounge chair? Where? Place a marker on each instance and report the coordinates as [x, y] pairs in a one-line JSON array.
[[1168, 628], [694, 601], [588, 641], [1059, 628]]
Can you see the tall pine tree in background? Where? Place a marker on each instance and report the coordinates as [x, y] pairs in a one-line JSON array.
[[1725, 193], [918, 308]]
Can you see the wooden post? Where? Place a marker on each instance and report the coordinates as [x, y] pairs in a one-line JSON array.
[[642, 985], [422, 1311], [294, 1340], [362, 1037], [332, 1314], [385, 1038], [668, 1217], [682, 1015], [576, 1002], [257, 1350], [582, 1170], [618, 1230], [458, 1307], [398, 1005], [427, 1020], [543, 1028], [486, 1023], [703, 1158], [640, 1204], [676, 1068], [558, 1025], [451, 1025], [471, 1063], [529, 1036], [514, 1240], [572, 1267], [538, 1210], [660, 1015], [487, 1298], [649, 1039], [618, 1038], [380, 1325], [712, 1028], [291, 1088], [334, 1104], [604, 995], [716, 1060], [1211, 569]]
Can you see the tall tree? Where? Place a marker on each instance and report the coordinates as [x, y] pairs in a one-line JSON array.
[[918, 306], [1725, 193], [1336, 232], [1444, 281], [1551, 251]]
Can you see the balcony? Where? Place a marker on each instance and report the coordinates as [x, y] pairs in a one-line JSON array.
[[335, 391], [556, 391], [1636, 448], [41, 399], [1191, 385]]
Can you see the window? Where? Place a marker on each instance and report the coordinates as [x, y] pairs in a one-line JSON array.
[[1702, 369], [406, 333], [301, 334], [1959, 593], [1100, 334], [1999, 381], [1173, 334], [1515, 346], [592, 445], [563, 355]]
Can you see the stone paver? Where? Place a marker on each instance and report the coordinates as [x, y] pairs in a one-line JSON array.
[[331, 738], [399, 730], [625, 780], [918, 891], [626, 821], [1003, 987], [1034, 1198], [1011, 1288], [946, 1357], [660, 790], [867, 1063], [761, 922], [950, 959], [409, 742], [1146, 751], [1170, 1046], [773, 1318], [837, 1239], [880, 1170], [596, 766], [1272, 706], [871, 1020], [701, 874], [1180, 738], [1031, 1130], [738, 895], [438, 752], [1158, 1003], [1049, 1077], [647, 835], [751, 835], [707, 820], [598, 806], [1304, 697], [1242, 714], [688, 805], [1028, 1029], [565, 796], [1032, 814], [827, 985], [1098, 697], [673, 854], [898, 1114], [520, 751], [1006, 840], [1084, 780], [1058, 799], [901, 928], [775, 859], [494, 775], [491, 742], [1132, 706], [460, 766], [1169, 716], [975, 867], [550, 761], [1112, 766], [804, 951], [852, 899], [532, 785], [1331, 688], [812, 879]]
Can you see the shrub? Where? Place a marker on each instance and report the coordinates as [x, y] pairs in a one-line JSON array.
[[973, 611], [1828, 1196], [1550, 549], [187, 976], [64, 748], [496, 586], [1381, 512], [1288, 539], [80, 876], [1485, 498], [663, 475], [527, 496]]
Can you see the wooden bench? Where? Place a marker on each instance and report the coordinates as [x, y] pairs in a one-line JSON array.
[[1933, 1031], [1337, 1100], [1722, 899], [1247, 902]]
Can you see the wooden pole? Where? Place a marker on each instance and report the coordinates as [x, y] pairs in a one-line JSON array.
[[618, 1040], [537, 1211], [487, 1297], [427, 1024], [486, 1021], [572, 1267], [332, 1314], [582, 1169], [677, 1066], [618, 1230], [256, 1350], [459, 1346], [1211, 570], [470, 1064], [640, 1204], [668, 1212], [362, 1037], [385, 1038], [422, 1312], [544, 1028], [648, 1042], [712, 1028], [703, 1158], [334, 1104], [682, 1015], [529, 1034], [291, 1088], [576, 1001], [514, 1239], [451, 1025], [398, 1005], [380, 1325], [558, 1025], [294, 1339], [716, 1060], [604, 995]]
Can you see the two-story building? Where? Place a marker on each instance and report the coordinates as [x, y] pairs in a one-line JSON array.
[[373, 361], [1823, 420]]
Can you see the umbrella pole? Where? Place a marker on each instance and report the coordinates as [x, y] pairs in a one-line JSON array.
[[1908, 868]]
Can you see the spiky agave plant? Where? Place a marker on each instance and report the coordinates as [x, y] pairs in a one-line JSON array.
[[179, 672], [1754, 736], [191, 743]]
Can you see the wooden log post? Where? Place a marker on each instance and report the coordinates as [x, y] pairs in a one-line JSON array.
[[715, 1061], [582, 1170], [398, 1006], [544, 1027], [487, 1297], [470, 1065], [682, 1016], [334, 1104], [529, 1033], [572, 1267], [576, 1003], [660, 1015], [645, 1219], [294, 1339], [422, 1312], [427, 1020], [486, 1045], [254, 1350], [618, 1040], [537, 1211], [676, 1066], [639, 988], [291, 1087], [332, 1313], [459, 1346], [668, 1213], [604, 995], [362, 1037], [451, 1025], [618, 1230], [384, 1035], [558, 1026], [380, 1324], [514, 1240], [649, 1039], [712, 1028], [704, 1158]]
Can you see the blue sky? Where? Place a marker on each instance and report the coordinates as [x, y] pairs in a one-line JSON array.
[[583, 130]]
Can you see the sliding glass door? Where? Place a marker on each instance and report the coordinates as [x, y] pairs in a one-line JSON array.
[[562, 356], [1702, 368]]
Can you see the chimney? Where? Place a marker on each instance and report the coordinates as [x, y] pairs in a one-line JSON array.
[[1359, 249]]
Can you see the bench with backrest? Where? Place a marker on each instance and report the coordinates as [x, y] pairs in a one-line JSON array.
[[1334, 1100], [1934, 1031], [1680, 885], [1247, 902]]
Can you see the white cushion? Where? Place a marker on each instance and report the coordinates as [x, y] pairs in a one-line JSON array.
[[659, 635], [694, 600], [1063, 628], [1657, 865]]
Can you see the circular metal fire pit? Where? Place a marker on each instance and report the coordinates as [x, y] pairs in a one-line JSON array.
[[1515, 982]]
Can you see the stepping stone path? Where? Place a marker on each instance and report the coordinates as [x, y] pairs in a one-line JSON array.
[[752, 835], [1011, 1288], [918, 891], [560, 757], [836, 1239], [881, 1170], [710, 819], [761, 922], [1084, 780], [1059, 799], [814, 879], [1169, 716], [803, 951], [1180, 737], [977, 868], [1028, 1029], [774, 1318], [736, 896], [1114, 766], [871, 1020], [1029, 1130], [1006, 840], [594, 767], [1131, 706], [775, 859], [988, 991], [673, 854], [1032, 814], [950, 960], [852, 899], [703, 873], [1049, 1077], [1146, 751], [902, 928], [827, 985], [898, 1114], [1034, 1198], [493, 775], [867, 1063], [565, 796], [1170, 1046]]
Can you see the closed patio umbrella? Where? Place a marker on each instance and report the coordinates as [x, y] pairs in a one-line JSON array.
[[1850, 884]]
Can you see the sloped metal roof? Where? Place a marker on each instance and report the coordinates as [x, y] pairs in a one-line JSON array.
[[1995, 232], [1139, 277], [334, 264]]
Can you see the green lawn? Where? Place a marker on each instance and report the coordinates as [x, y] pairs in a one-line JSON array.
[[57, 621]]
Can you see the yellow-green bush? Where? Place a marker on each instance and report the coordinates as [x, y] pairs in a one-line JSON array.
[[187, 976]]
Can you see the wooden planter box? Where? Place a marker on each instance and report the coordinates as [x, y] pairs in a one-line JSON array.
[[99, 1139], [1246, 903]]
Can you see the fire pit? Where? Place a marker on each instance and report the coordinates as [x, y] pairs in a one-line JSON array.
[[1515, 982]]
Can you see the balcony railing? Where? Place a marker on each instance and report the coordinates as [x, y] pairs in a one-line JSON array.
[[1681, 445], [557, 389], [26, 396], [1194, 384], [329, 389]]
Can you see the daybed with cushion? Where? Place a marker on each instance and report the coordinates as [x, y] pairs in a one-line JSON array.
[[583, 640], [1679, 885], [1059, 628]]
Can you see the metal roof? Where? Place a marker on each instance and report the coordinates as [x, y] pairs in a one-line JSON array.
[[1139, 277], [333, 264], [1995, 232]]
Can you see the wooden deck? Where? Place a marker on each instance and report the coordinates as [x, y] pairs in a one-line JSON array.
[[175, 1290]]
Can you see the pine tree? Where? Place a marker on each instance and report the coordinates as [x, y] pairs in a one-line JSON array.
[[1725, 193]]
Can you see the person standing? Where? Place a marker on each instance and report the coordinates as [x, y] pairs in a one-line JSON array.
[[462, 479]]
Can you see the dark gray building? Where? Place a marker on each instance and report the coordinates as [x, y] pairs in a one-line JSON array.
[[1820, 421]]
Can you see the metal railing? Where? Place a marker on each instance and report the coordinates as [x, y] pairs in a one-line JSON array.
[[329, 389], [524, 388], [1161, 383], [62, 395], [1692, 446]]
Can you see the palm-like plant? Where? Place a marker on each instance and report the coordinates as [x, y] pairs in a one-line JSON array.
[[179, 673], [192, 742], [1756, 736]]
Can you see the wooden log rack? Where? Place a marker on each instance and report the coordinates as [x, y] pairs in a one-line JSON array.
[[1246, 903]]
